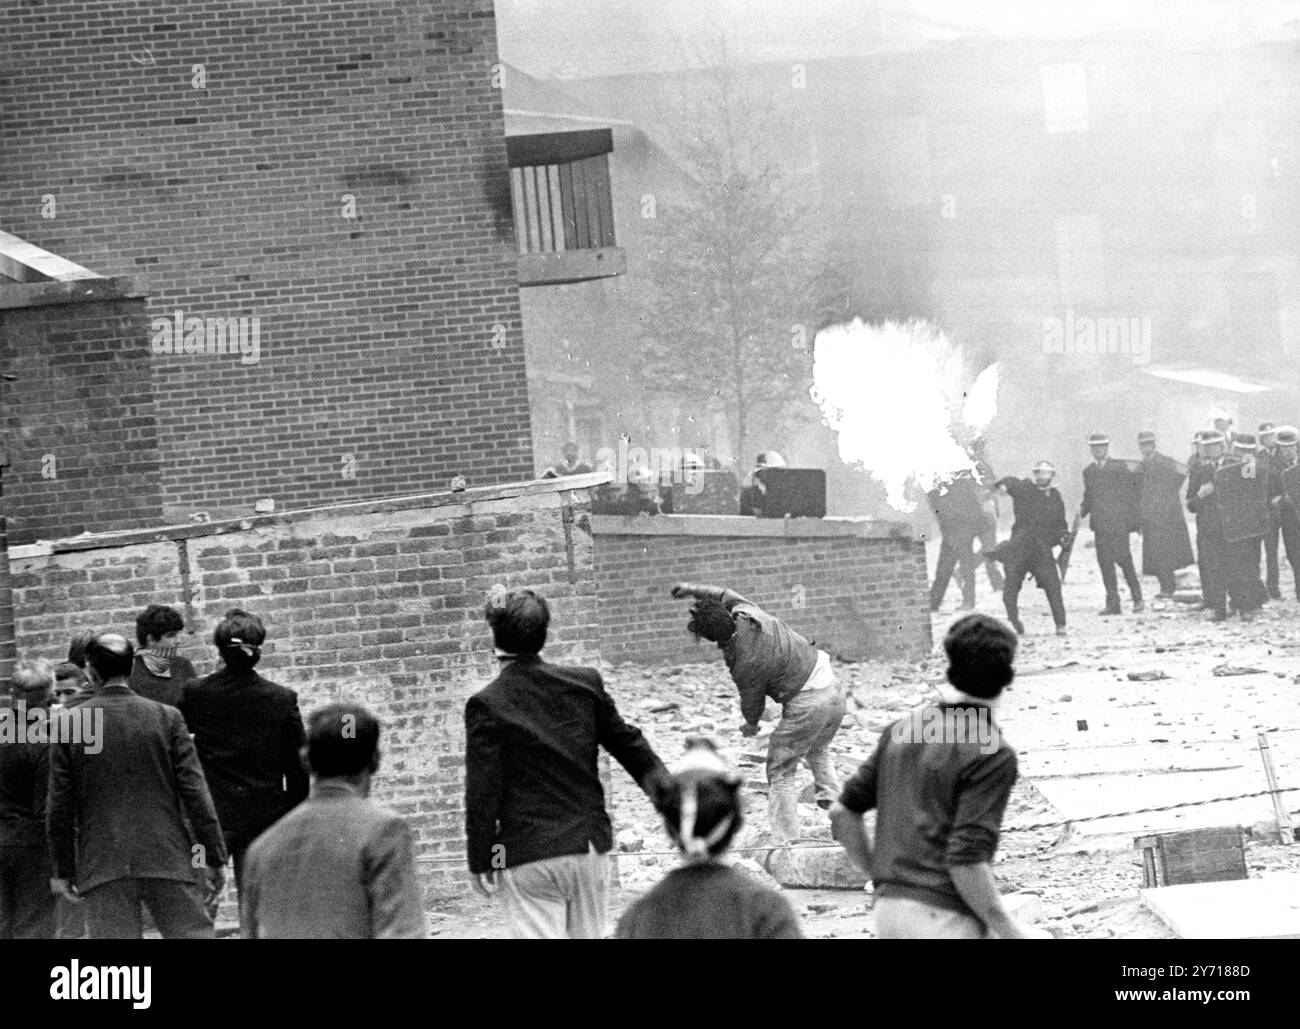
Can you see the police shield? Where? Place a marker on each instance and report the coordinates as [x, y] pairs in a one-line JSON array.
[[1291, 484], [1243, 502]]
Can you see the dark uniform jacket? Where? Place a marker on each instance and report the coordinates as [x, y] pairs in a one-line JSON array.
[[1110, 497], [24, 781], [1040, 517]]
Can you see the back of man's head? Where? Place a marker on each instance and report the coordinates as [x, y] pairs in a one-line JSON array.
[[109, 656], [33, 682], [981, 655], [342, 741], [519, 620], [77, 646]]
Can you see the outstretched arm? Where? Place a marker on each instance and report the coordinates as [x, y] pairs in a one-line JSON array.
[[701, 592]]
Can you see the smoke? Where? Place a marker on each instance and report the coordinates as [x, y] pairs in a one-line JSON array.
[[895, 395]]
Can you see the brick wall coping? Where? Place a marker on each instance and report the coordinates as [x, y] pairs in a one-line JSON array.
[[18, 295], [740, 525], [444, 504]]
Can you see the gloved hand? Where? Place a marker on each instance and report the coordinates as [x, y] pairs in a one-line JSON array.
[[749, 729]]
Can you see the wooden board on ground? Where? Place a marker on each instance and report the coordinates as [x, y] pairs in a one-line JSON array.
[[1247, 909]]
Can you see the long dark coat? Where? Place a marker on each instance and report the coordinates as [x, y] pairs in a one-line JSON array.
[[1165, 542]]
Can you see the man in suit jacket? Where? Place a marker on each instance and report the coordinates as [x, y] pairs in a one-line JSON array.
[[337, 866], [1110, 502], [122, 770], [249, 735], [534, 806]]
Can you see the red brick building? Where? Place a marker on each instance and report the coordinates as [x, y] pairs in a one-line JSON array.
[[334, 175]]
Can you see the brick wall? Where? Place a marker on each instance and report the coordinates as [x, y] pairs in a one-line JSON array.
[[79, 422], [390, 352], [854, 586], [379, 602]]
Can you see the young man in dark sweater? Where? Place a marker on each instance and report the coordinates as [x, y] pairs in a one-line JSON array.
[[939, 781]]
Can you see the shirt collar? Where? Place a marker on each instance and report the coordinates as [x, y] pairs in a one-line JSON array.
[[333, 788], [949, 694]]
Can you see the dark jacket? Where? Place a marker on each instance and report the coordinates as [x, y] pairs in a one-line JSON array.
[[117, 813], [336, 867], [959, 509], [24, 782], [164, 689], [1166, 545], [1110, 497], [249, 735], [532, 785]]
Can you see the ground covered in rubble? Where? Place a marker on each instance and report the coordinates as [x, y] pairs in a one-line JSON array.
[[1142, 710]]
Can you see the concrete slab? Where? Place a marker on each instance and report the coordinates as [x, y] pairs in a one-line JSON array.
[[1255, 909]]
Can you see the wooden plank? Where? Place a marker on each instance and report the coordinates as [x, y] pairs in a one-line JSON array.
[[582, 233], [558, 147], [1284, 831], [521, 215], [605, 196], [591, 190], [570, 207]]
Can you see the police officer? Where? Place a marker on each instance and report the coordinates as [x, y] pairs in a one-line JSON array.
[[1268, 453], [1039, 526], [1286, 456], [1244, 555], [1165, 544], [1210, 546], [1110, 502], [957, 509]]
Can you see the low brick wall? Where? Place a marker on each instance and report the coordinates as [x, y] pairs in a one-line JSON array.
[[379, 602], [855, 586]]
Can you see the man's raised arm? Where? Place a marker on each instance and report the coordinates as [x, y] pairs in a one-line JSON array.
[[727, 597]]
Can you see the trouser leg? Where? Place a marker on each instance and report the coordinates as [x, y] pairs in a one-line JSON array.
[[535, 903], [113, 911], [1124, 558], [177, 909], [942, 573], [1106, 561]]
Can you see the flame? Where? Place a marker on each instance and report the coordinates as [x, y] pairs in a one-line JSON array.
[[892, 393]]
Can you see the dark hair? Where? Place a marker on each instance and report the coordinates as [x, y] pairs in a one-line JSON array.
[[711, 620], [236, 635], [519, 620], [981, 655], [716, 797], [77, 647], [157, 620], [67, 670], [341, 740], [110, 655]]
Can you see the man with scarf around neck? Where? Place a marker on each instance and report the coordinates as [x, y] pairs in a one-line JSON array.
[[537, 831], [939, 798], [249, 735], [159, 672], [706, 898]]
